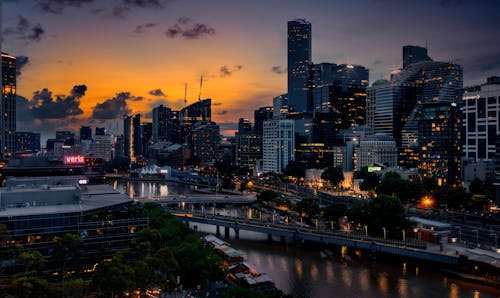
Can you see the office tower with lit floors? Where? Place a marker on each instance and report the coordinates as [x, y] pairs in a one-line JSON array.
[[299, 60], [8, 107]]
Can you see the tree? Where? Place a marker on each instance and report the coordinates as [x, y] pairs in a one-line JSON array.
[[307, 207], [476, 186], [334, 175], [267, 195], [335, 211], [386, 212], [393, 185]]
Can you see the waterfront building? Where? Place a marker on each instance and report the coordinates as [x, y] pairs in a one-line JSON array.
[[299, 60], [278, 142], [36, 211], [481, 109], [27, 141], [8, 107]]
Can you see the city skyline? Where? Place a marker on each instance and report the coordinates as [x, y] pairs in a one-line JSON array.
[[131, 56]]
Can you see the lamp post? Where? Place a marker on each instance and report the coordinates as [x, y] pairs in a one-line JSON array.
[[385, 233], [415, 230], [404, 236], [366, 230]]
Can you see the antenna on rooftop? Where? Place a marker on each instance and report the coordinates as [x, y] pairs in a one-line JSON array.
[[201, 84]]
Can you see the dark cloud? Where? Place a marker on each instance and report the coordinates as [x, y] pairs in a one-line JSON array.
[[144, 27], [223, 112], [278, 69], [217, 103], [44, 106], [25, 30], [157, 92], [145, 3], [185, 28], [226, 71], [115, 107], [58, 6], [21, 62]]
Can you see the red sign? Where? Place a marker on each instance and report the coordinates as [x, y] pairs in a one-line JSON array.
[[74, 160]]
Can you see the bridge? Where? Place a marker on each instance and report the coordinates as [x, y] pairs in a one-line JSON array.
[[298, 233], [207, 199]]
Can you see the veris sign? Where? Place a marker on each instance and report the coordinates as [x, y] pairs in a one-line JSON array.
[[74, 160]]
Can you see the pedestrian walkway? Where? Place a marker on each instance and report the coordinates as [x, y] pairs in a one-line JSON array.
[[475, 254]]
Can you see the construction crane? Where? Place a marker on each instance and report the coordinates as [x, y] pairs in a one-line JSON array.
[[201, 84], [185, 93]]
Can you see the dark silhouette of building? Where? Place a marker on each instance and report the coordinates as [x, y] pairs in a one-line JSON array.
[[205, 142], [85, 133], [8, 106], [260, 115], [100, 131], [27, 141], [189, 115], [299, 59], [414, 54], [147, 136], [165, 124]]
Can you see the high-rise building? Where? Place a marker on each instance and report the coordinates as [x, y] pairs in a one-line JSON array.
[[379, 149], [66, 136], [27, 141], [136, 123], [8, 106], [278, 142], [414, 54], [102, 147], [132, 137], [244, 126], [249, 145], [481, 108], [165, 124], [147, 136], [85, 133], [189, 115], [205, 142], [299, 60], [100, 131], [260, 115], [280, 107]]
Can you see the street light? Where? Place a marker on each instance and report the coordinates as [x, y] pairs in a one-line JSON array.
[[404, 236], [366, 230], [385, 233]]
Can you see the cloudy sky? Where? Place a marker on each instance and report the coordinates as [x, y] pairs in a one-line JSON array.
[[87, 62]]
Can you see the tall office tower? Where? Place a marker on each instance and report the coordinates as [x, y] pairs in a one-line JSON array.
[[260, 115], [100, 131], [189, 115], [244, 126], [481, 108], [128, 136], [147, 136], [414, 54], [66, 136], [27, 141], [381, 105], [85, 133], [160, 120], [278, 142], [8, 106], [102, 147], [280, 106], [299, 60], [136, 123], [119, 146], [205, 142]]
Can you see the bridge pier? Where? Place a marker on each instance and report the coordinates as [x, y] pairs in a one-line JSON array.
[[269, 238], [217, 231], [237, 233], [226, 232]]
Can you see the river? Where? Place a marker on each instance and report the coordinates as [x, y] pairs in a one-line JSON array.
[[301, 272]]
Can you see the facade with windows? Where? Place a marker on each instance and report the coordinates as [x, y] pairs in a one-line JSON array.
[[278, 142], [8, 107], [481, 109], [38, 212], [299, 60]]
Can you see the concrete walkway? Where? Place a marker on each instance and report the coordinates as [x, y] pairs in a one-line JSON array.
[[476, 254]]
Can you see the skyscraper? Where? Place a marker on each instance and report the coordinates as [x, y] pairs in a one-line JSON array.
[[414, 54], [299, 60], [165, 124], [278, 142], [85, 133], [8, 106]]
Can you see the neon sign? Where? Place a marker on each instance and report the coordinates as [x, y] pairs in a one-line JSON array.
[[74, 160]]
